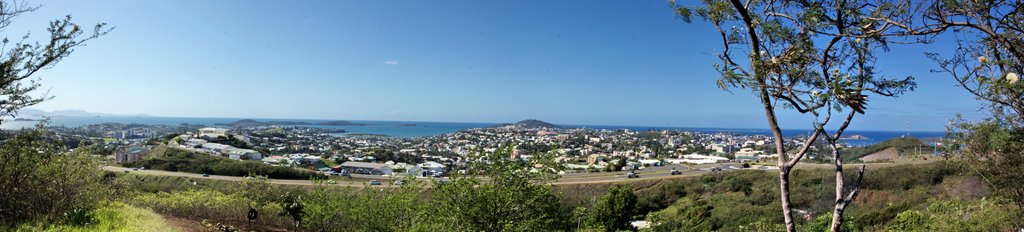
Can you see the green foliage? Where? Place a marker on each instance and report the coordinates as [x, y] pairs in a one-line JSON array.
[[40, 182], [178, 160], [329, 208], [614, 209], [995, 152], [725, 204], [824, 223], [205, 204], [509, 204], [954, 215], [687, 214], [112, 216]]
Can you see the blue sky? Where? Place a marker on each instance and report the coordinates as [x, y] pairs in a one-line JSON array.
[[598, 63]]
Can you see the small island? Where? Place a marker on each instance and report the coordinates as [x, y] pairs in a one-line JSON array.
[[856, 137], [528, 124], [408, 124]]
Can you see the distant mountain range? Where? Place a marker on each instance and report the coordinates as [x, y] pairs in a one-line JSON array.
[[37, 113], [529, 124], [250, 122]]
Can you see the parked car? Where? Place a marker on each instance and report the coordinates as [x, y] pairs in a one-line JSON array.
[[206, 175], [715, 169], [632, 175], [675, 172], [374, 182], [126, 170]]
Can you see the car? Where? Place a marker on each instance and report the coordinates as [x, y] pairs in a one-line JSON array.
[[206, 175], [716, 169], [674, 172], [632, 175], [136, 169], [399, 182], [126, 170], [374, 182], [331, 182]]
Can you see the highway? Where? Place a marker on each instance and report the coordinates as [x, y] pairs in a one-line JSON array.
[[357, 180]]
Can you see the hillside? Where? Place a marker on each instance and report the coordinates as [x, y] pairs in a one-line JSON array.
[[529, 124], [889, 149]]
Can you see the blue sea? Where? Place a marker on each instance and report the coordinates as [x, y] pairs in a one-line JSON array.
[[410, 129]]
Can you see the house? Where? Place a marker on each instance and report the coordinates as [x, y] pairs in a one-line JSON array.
[[130, 154], [366, 168], [748, 152], [703, 159], [237, 153], [595, 158], [194, 142], [274, 160], [212, 132], [650, 162], [434, 168], [215, 148]]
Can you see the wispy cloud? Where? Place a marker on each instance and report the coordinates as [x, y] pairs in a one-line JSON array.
[[391, 62]]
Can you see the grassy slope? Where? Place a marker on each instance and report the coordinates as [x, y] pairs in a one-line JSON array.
[[902, 145], [113, 217]]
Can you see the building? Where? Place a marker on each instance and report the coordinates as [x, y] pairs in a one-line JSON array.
[[212, 132], [366, 168], [748, 152], [130, 154], [237, 153], [595, 158], [434, 168], [215, 148], [650, 162], [701, 159]]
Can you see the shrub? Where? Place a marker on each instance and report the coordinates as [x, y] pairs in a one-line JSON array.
[[39, 182]]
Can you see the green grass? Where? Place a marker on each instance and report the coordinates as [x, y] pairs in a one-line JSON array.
[[114, 216]]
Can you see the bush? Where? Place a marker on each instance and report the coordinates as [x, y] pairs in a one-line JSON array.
[[39, 182]]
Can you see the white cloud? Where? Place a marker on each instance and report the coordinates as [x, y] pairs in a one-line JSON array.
[[391, 62]]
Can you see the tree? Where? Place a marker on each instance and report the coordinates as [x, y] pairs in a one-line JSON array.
[[21, 60], [614, 209], [40, 182], [516, 195], [987, 63], [814, 57]]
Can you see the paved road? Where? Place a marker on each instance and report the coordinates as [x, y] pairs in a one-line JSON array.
[[357, 180]]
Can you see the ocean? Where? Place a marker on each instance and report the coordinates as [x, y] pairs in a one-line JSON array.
[[411, 129]]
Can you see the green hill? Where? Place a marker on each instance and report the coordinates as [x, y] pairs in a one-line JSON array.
[[904, 146]]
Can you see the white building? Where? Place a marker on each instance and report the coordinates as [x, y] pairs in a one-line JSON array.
[[212, 132], [703, 159], [237, 153]]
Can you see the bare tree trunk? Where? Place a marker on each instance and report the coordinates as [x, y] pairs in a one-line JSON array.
[[837, 212], [837, 157], [787, 210]]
